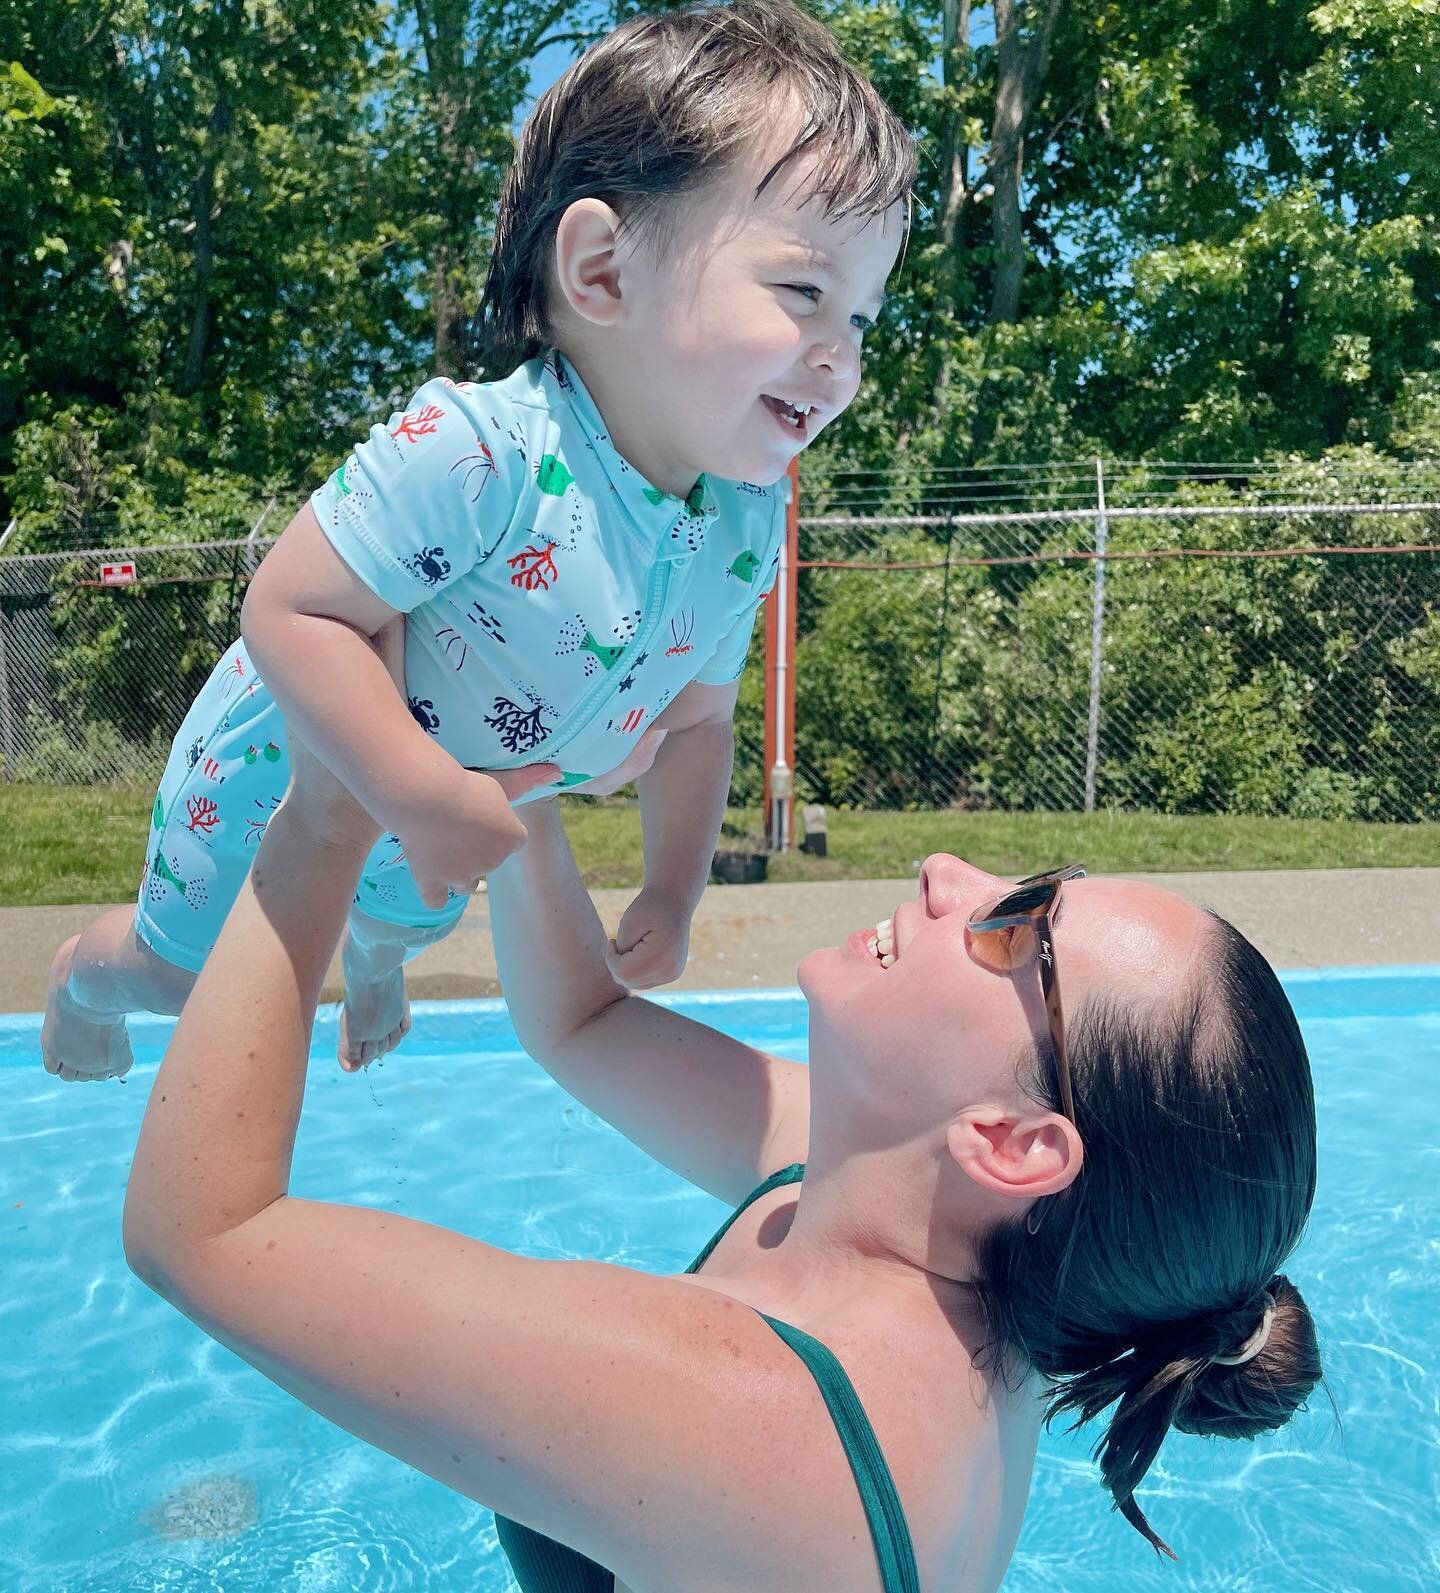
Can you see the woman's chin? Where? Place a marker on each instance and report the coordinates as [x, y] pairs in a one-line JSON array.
[[811, 966], [823, 973]]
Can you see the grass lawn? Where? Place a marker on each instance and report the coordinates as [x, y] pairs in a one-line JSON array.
[[87, 844]]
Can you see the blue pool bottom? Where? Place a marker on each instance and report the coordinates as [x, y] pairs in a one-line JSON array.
[[138, 1454]]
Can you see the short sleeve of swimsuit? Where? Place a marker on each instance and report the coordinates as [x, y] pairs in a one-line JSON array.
[[426, 496], [727, 662]]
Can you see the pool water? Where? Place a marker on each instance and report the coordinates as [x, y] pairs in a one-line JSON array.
[[135, 1453]]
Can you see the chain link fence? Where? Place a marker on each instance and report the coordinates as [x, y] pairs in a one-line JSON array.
[[1109, 637], [1248, 651], [102, 651]]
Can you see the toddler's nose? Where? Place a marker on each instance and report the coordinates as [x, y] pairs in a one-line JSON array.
[[839, 356]]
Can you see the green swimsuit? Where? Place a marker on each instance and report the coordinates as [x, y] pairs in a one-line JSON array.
[[541, 1565]]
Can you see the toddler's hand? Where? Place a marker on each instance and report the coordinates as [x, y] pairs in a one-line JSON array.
[[637, 761], [467, 829], [652, 943]]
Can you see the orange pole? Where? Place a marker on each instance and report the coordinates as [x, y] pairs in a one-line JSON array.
[[779, 796]]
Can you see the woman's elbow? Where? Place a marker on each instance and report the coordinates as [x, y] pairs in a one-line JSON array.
[[147, 1256]]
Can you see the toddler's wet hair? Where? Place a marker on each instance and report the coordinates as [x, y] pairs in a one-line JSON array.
[[661, 107]]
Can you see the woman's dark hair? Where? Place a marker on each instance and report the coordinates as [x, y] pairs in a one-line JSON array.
[[660, 108], [1198, 1176]]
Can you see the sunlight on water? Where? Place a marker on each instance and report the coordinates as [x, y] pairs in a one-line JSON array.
[[137, 1454]]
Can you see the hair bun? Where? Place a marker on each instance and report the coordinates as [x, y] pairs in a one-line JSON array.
[[1259, 1391]]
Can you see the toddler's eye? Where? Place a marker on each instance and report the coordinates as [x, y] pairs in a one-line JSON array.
[[863, 322]]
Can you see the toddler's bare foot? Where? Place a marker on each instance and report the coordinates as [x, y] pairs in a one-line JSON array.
[[376, 1017], [74, 1043]]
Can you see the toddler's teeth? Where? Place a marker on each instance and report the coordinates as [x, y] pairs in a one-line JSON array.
[[873, 946], [887, 960]]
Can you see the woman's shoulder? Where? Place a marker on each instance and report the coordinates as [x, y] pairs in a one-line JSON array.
[[958, 1439]]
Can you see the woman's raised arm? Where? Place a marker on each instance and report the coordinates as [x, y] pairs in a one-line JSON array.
[[720, 1113], [587, 1401]]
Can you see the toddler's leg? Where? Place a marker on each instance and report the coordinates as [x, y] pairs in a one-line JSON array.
[[97, 977], [377, 1010]]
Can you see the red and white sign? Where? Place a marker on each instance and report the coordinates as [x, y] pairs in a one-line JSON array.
[[118, 574]]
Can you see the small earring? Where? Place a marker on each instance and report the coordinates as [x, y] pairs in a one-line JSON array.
[[1035, 1216]]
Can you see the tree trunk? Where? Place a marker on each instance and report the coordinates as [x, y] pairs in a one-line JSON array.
[[1021, 68], [202, 202], [446, 308], [955, 155], [955, 186]]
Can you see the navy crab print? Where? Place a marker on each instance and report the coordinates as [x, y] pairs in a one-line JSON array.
[[429, 565], [422, 710]]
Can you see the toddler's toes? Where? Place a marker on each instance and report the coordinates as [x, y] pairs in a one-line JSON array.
[[375, 1021]]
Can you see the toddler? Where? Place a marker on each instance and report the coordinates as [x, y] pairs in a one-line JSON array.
[[691, 242]]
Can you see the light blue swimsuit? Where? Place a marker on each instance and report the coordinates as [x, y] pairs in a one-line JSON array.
[[556, 603]]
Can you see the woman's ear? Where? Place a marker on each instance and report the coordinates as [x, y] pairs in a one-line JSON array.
[[587, 261], [1019, 1157]]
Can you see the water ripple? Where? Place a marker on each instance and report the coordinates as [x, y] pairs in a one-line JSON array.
[[138, 1454]]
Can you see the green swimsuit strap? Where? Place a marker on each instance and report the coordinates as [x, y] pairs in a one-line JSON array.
[[889, 1530], [883, 1510], [787, 1175]]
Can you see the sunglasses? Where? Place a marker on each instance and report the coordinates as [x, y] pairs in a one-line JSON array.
[[1015, 929]]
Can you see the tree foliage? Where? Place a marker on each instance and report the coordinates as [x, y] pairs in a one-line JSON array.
[[233, 232]]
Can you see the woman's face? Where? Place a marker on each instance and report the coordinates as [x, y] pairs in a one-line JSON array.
[[939, 1030]]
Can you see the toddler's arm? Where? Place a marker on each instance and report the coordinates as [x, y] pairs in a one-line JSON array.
[[309, 622], [682, 804]]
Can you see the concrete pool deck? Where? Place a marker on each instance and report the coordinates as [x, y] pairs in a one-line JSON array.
[[752, 936]]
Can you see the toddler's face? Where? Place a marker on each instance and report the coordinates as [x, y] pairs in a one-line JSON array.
[[756, 304]]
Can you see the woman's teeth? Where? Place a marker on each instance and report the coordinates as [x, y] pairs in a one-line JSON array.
[[882, 942]]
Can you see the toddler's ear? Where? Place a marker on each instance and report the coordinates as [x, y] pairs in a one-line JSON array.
[[587, 262]]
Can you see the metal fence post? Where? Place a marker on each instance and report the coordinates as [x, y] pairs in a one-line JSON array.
[[1097, 635], [779, 776], [7, 717], [251, 562]]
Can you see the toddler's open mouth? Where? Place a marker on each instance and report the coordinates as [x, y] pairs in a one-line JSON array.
[[795, 420]]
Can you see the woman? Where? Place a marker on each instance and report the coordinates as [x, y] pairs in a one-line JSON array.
[[1004, 1201]]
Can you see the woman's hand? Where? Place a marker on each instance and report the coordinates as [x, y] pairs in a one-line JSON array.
[[637, 761]]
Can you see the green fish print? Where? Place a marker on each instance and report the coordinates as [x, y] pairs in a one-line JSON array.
[[553, 477], [745, 566], [157, 818], [608, 656], [695, 502], [159, 867], [573, 779]]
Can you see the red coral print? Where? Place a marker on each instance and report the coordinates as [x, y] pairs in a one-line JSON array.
[[421, 424], [532, 566], [204, 814]]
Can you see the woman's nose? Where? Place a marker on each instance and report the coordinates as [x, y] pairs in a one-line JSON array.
[[950, 885]]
